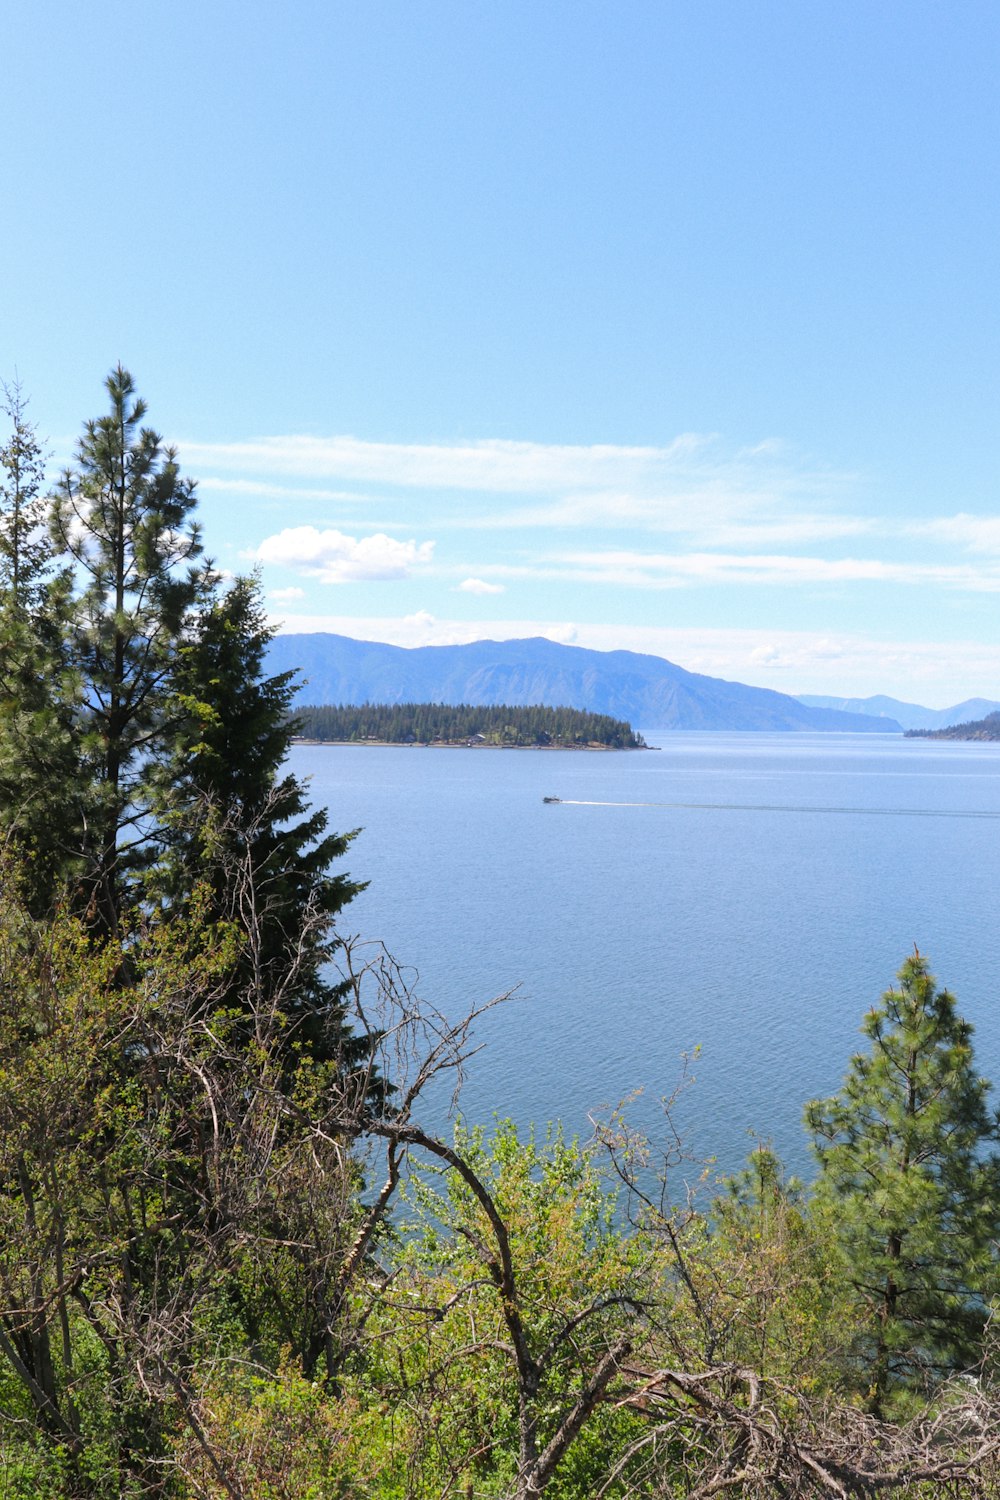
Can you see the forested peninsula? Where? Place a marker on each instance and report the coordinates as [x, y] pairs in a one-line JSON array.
[[240, 1258], [466, 724], [977, 729]]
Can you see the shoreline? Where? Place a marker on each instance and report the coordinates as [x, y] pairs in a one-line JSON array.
[[466, 745]]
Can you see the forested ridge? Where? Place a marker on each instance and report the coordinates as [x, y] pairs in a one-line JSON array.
[[975, 729], [236, 1260], [450, 724]]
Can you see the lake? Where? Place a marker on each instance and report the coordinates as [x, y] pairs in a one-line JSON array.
[[749, 895]]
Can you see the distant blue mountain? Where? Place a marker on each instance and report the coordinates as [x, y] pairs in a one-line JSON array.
[[910, 715], [648, 691]]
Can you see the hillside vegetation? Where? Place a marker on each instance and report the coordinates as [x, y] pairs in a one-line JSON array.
[[237, 1262], [463, 723]]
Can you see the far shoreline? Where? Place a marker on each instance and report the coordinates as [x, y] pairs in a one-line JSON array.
[[465, 745]]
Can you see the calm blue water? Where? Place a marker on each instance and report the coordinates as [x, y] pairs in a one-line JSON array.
[[755, 905]]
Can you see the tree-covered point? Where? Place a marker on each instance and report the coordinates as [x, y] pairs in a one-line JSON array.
[[462, 723]]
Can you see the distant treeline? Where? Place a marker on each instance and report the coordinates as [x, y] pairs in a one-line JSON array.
[[976, 729], [492, 724]]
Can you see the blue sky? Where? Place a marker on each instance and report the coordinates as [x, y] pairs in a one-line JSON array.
[[663, 326]]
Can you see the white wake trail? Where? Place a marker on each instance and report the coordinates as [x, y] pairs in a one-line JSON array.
[[763, 807]]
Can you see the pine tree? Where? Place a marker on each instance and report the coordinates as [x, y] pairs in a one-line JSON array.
[[238, 821], [25, 553], [123, 516], [908, 1171], [42, 795]]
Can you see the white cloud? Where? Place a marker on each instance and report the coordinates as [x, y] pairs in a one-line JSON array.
[[479, 586], [705, 511], [333, 557], [651, 570], [977, 533], [489, 464], [419, 629], [718, 514], [287, 596], [693, 486], [267, 490], [785, 531]]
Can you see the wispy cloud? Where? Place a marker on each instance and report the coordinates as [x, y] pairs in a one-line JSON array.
[[640, 569], [268, 490], [730, 517], [333, 557], [694, 486], [975, 533], [479, 586], [758, 516], [492, 464]]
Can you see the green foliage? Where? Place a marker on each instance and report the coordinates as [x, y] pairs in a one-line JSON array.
[[179, 1210], [463, 723], [236, 822], [64, 1151], [155, 1214], [42, 799], [441, 1349], [202, 1291], [169, 1033], [913, 1186], [124, 518], [278, 1436], [760, 1284], [25, 554]]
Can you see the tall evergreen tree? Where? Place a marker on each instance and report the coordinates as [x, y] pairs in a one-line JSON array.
[[244, 848], [238, 821], [907, 1167], [25, 552], [41, 793], [124, 516]]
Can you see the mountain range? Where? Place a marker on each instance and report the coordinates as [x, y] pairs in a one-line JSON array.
[[910, 715], [648, 691]]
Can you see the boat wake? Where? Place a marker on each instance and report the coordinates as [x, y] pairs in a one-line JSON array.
[[764, 807]]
